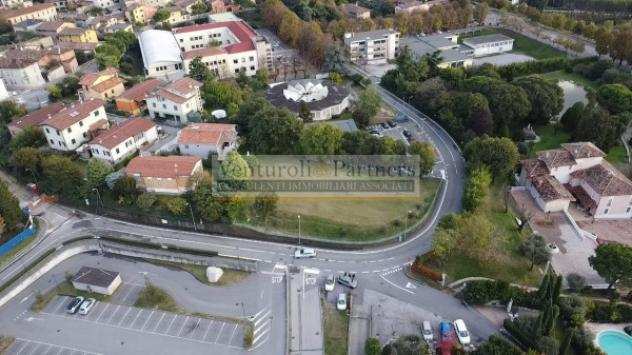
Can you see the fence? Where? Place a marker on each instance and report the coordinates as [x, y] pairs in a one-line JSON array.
[[17, 239]]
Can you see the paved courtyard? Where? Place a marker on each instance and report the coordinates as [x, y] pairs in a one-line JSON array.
[[24, 346], [502, 59]]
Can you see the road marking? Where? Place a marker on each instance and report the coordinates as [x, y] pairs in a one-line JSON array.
[[232, 335], [220, 333], [170, 324], [396, 285], [159, 321], [134, 321], [61, 303], [107, 305], [112, 314], [124, 316], [207, 329], [183, 324], [38, 343], [148, 318]]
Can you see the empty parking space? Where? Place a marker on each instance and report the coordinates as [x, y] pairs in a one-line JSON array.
[[23, 346], [151, 321]]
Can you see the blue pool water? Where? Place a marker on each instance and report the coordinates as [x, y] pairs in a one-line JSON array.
[[615, 342]]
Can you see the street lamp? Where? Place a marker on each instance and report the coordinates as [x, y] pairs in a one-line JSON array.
[[299, 229], [98, 197], [192, 217]]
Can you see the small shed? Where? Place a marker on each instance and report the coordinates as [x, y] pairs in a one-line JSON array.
[[96, 280]]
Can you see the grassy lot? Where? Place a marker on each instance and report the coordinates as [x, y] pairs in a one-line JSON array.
[[550, 138], [154, 297], [336, 328], [576, 78], [352, 218], [229, 277], [617, 155], [506, 263], [66, 289], [522, 44]]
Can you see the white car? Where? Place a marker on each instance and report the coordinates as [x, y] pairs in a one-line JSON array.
[[304, 253], [461, 332], [330, 283], [341, 304], [86, 306], [426, 331]]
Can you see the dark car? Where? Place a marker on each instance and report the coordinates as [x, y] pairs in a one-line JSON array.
[[348, 279], [74, 305], [391, 124]]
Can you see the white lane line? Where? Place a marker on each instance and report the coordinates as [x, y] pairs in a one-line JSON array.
[[24, 344], [396, 285], [232, 335], [61, 303], [159, 321], [112, 314], [55, 345], [207, 329], [124, 316], [130, 326], [107, 305], [147, 320], [195, 327], [220, 333], [183, 324], [170, 324]]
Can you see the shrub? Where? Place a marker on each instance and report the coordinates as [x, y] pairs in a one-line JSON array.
[[582, 343], [481, 292], [419, 268], [548, 345], [572, 311], [522, 329], [372, 347], [497, 345], [575, 282], [610, 312]]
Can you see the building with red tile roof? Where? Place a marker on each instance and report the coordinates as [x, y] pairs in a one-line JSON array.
[[34, 118], [133, 99], [165, 174], [203, 139], [103, 85], [176, 101], [122, 140], [69, 128], [43, 12]]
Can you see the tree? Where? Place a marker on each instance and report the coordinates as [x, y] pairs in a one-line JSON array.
[[290, 28], [497, 345], [9, 209], [367, 106], [535, 249], [146, 201], [108, 55], [476, 188], [236, 209], [207, 206], [199, 8], [572, 116], [96, 172], [234, 167], [161, 15], [616, 98], [500, 155], [54, 92], [28, 159], [603, 40], [546, 97], [427, 156], [372, 347], [613, 262], [176, 205], [10, 110], [31, 136], [321, 139], [598, 126], [480, 12], [304, 113], [273, 131], [62, 176], [125, 187], [265, 206], [199, 71], [222, 94], [3, 226], [575, 282]]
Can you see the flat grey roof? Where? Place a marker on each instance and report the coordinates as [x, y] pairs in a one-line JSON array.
[[95, 277], [496, 37], [357, 36], [439, 41]]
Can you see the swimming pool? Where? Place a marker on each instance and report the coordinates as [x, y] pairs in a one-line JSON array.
[[614, 342]]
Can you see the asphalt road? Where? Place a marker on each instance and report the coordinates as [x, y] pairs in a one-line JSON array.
[[379, 269]]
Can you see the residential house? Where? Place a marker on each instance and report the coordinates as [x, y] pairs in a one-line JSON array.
[[103, 85], [122, 140], [410, 6], [33, 119], [355, 11], [61, 5], [176, 102], [578, 172], [42, 12], [78, 35], [120, 26], [23, 68], [29, 25], [374, 47], [69, 128], [222, 6], [203, 139], [133, 100], [107, 4], [53, 28], [165, 174], [226, 48], [12, 3], [140, 13]]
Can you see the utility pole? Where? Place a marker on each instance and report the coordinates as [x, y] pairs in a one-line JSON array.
[[299, 230]]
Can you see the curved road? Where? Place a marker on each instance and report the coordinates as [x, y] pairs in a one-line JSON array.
[[378, 269]]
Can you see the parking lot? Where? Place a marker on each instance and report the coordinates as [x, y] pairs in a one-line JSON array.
[[399, 128], [31, 347], [151, 321]]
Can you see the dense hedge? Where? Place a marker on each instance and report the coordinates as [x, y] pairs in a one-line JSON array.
[[419, 268], [605, 312], [481, 292], [511, 71]]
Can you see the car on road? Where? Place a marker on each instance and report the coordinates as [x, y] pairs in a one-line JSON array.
[[391, 123], [426, 331], [461, 332], [74, 305], [301, 253], [86, 306], [341, 304], [330, 283], [348, 279]]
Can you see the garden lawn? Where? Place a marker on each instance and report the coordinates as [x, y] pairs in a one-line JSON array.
[[576, 78], [336, 327], [550, 138], [229, 276], [617, 155], [522, 44], [352, 218], [154, 297]]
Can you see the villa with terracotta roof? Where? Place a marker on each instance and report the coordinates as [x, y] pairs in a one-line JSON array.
[[33, 118], [578, 173], [226, 47], [78, 35], [53, 28], [133, 99], [122, 140], [176, 102], [69, 128], [103, 85], [203, 139], [165, 174]]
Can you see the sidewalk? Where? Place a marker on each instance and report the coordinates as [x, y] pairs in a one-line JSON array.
[[305, 335]]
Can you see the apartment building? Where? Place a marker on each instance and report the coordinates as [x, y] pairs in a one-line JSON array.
[[226, 47], [42, 12], [122, 140], [372, 47], [71, 127], [23, 68], [33, 119], [78, 35], [168, 175], [132, 101], [53, 28], [176, 102], [162, 57]]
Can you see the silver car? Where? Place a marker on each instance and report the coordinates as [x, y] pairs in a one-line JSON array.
[[86, 306]]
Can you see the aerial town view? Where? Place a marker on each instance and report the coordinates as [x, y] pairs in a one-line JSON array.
[[316, 177]]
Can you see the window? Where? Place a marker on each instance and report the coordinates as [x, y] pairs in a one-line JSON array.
[[610, 202], [73, 141], [235, 61], [252, 59], [47, 131], [58, 133], [627, 210], [175, 108], [85, 135], [606, 211], [96, 113], [80, 123], [117, 150], [52, 141]]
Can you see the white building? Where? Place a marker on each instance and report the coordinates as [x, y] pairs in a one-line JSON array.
[[21, 74], [176, 101], [96, 280], [161, 55], [69, 128], [226, 47], [123, 140], [202, 139], [323, 100], [372, 47], [4, 94], [489, 44], [106, 4]]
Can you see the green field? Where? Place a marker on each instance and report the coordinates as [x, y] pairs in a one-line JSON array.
[[576, 78], [336, 328], [522, 44], [351, 218]]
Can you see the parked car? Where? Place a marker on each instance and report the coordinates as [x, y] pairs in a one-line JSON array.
[[426, 331], [461, 332], [304, 253], [348, 279], [391, 123], [330, 283], [341, 304], [407, 134], [384, 125], [74, 305], [86, 306]]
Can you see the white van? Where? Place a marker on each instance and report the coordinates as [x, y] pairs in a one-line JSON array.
[[461, 332], [341, 305], [426, 331]]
